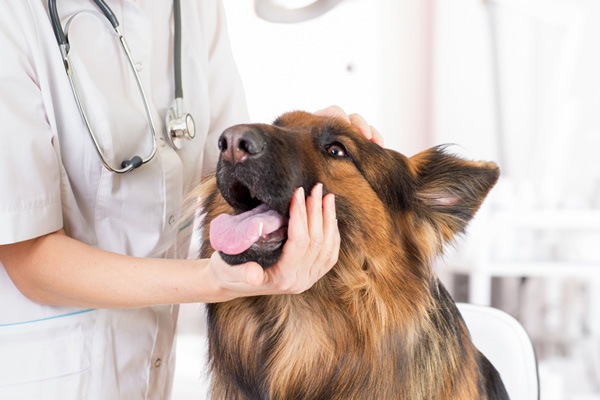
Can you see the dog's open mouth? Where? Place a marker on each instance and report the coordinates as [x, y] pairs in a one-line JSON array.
[[255, 233]]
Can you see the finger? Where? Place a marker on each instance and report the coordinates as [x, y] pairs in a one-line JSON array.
[[298, 224], [310, 268], [236, 277], [359, 122], [315, 217], [331, 242], [333, 112], [367, 130], [298, 235], [330, 225], [255, 274], [376, 137]]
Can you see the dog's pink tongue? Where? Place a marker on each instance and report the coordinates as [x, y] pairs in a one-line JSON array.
[[234, 234]]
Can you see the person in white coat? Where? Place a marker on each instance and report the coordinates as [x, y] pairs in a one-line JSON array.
[[89, 275]]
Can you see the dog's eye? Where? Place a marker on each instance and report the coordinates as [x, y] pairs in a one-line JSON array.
[[337, 150]]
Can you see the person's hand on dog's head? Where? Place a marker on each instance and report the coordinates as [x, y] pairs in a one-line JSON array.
[[355, 119], [311, 250]]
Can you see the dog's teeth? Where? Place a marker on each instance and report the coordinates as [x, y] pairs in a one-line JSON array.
[[252, 194], [260, 229]]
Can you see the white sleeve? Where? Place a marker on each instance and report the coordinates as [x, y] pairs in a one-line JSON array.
[[226, 93], [30, 203]]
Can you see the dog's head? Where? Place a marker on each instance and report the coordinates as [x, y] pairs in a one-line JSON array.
[[380, 194]]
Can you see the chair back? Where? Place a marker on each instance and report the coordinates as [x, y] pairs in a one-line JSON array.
[[506, 344]]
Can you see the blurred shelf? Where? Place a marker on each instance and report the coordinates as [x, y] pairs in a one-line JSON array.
[[533, 268]]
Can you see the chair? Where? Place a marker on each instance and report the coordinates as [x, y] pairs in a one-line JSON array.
[[503, 340]]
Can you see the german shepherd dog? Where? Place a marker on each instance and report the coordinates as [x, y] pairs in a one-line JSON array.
[[379, 325]]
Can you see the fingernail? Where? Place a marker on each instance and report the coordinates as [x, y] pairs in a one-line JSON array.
[[300, 197], [332, 202], [318, 189]]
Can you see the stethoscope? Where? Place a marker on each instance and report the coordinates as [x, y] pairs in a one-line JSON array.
[[180, 125]]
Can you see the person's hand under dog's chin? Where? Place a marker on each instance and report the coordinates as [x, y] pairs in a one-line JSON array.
[[309, 253]]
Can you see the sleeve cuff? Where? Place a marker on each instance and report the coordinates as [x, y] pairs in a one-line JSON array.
[[30, 223]]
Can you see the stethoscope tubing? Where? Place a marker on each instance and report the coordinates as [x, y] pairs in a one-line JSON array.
[[177, 49], [62, 39], [136, 161]]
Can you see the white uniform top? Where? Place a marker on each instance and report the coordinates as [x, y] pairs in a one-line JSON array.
[[52, 177]]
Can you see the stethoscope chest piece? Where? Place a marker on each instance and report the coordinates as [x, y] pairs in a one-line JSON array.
[[180, 125]]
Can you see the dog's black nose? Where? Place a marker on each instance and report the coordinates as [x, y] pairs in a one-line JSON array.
[[240, 142]]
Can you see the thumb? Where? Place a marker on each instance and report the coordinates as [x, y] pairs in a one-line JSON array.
[[255, 275]]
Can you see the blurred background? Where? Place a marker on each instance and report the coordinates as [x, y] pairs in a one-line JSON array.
[[514, 81]]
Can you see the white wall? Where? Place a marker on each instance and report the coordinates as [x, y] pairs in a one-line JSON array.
[[368, 56], [548, 88]]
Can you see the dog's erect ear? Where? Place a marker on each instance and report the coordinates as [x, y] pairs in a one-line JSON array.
[[450, 189]]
